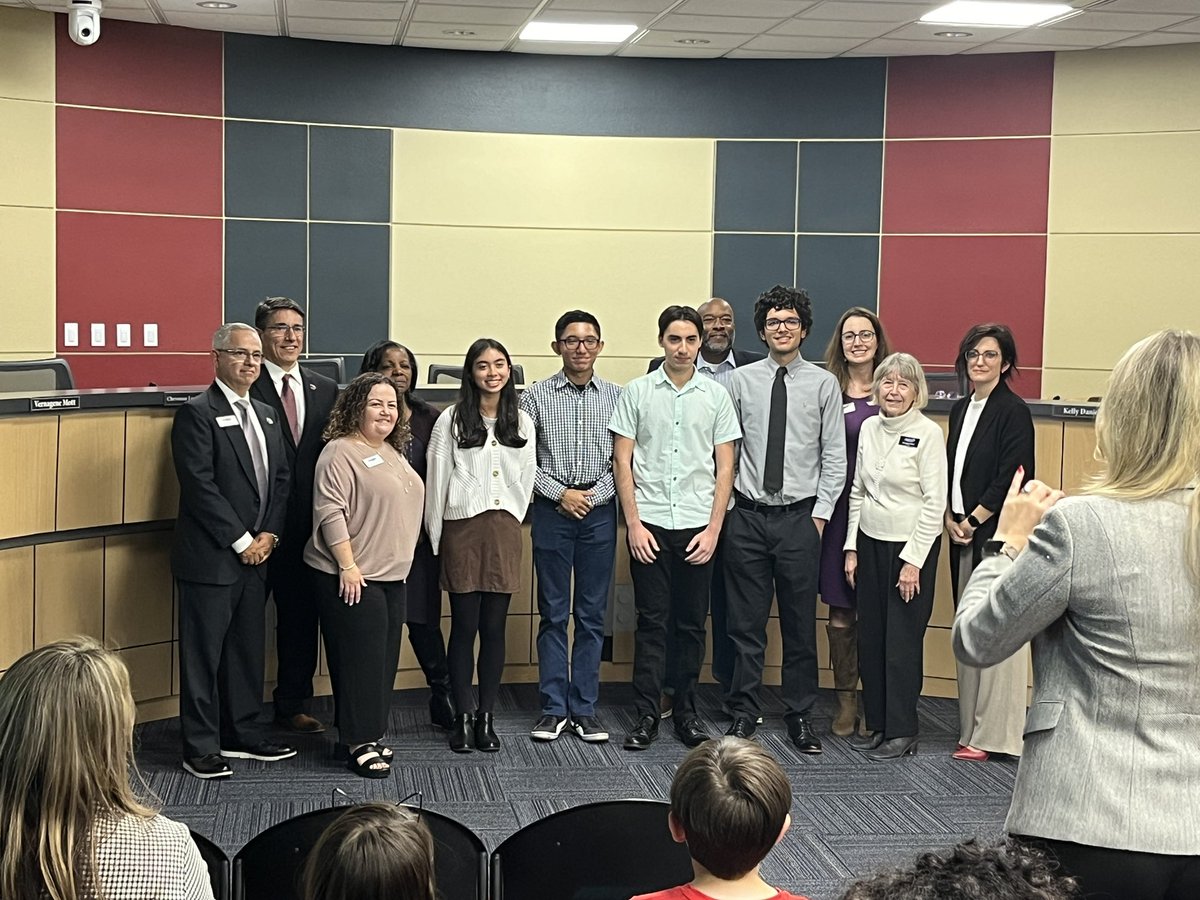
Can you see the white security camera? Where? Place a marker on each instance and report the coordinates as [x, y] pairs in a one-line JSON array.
[[83, 21]]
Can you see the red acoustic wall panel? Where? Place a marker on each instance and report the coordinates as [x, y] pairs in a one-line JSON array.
[[111, 370], [969, 96], [966, 187], [932, 289], [140, 269], [131, 162], [135, 66]]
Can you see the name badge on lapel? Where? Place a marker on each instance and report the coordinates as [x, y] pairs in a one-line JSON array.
[[909, 441], [270, 421], [848, 408], [226, 421], [372, 461]]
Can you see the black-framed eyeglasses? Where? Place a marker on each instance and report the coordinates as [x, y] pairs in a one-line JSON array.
[[717, 320], [791, 324], [281, 328], [849, 337], [244, 355], [572, 342], [989, 355]]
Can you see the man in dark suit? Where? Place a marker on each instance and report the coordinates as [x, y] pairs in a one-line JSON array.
[[233, 490], [302, 401]]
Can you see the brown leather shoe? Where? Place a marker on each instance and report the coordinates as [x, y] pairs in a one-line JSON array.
[[301, 723]]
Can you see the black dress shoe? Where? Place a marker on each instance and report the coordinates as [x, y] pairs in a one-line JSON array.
[[864, 742], [801, 732], [462, 735], [643, 733], [300, 723], [211, 765], [893, 749], [266, 751], [441, 707], [485, 736], [742, 727], [690, 733]]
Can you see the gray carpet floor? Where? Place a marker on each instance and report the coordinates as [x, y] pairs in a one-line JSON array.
[[850, 817]]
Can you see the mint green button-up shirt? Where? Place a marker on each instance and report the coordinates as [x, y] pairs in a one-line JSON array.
[[675, 431]]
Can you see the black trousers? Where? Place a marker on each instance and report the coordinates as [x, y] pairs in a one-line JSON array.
[[772, 553], [362, 643], [290, 582], [669, 589], [891, 635], [222, 631], [1108, 874], [722, 646]]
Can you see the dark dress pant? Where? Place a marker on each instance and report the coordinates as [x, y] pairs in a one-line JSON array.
[[1105, 873], [296, 639]]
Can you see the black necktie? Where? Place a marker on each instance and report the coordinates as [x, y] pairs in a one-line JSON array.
[[776, 432]]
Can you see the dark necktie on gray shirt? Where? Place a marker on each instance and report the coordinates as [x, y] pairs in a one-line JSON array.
[[776, 434]]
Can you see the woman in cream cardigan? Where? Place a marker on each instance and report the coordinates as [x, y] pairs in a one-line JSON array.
[[892, 543]]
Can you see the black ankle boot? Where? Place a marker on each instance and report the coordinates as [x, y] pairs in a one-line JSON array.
[[485, 737], [462, 733], [441, 707]]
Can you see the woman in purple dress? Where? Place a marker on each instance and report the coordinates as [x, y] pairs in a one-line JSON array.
[[856, 348]]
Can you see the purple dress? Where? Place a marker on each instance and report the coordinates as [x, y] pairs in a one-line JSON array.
[[832, 584]]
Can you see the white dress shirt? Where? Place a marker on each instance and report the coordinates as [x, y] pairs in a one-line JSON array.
[[236, 401], [296, 384]]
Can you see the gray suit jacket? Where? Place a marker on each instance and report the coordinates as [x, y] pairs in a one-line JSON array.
[[1111, 739]]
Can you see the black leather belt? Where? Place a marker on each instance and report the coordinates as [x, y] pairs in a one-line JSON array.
[[768, 509]]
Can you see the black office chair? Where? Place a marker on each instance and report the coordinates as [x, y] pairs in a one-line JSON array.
[[218, 865], [36, 375], [269, 866], [454, 373], [599, 851], [943, 385], [330, 366]]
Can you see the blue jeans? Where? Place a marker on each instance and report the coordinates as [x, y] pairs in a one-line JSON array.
[[560, 544]]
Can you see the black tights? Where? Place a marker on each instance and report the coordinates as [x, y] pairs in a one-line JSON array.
[[482, 613]]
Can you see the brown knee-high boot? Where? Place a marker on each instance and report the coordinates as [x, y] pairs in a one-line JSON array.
[[843, 657]]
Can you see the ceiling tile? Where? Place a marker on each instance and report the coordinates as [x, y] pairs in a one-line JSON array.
[[436, 31], [253, 7], [520, 4], [994, 47], [1156, 38], [828, 46], [726, 24], [133, 15], [572, 49], [224, 22], [775, 54], [889, 47], [668, 39], [302, 26], [344, 9], [343, 38], [920, 31], [764, 9], [1116, 21], [466, 15], [654, 7], [1192, 26], [865, 11], [1186, 7], [572, 15], [672, 52], [451, 44], [1065, 38], [821, 28]]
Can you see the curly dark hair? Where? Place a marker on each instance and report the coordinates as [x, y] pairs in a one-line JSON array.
[[352, 402], [971, 871], [782, 297]]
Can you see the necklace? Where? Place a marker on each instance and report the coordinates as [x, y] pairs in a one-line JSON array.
[[398, 471]]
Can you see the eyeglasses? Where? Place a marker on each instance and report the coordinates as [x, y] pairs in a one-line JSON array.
[[791, 324], [280, 328], [572, 343], [864, 337], [709, 321], [244, 355], [989, 355]]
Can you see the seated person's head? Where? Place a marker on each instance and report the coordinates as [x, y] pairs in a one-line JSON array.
[[730, 803], [371, 851], [970, 871]]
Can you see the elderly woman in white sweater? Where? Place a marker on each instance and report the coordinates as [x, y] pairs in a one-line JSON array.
[[895, 533]]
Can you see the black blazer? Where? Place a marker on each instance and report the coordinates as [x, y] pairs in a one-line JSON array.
[[740, 358], [1003, 440], [319, 396], [218, 494]]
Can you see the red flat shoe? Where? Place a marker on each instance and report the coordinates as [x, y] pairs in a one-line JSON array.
[[970, 754]]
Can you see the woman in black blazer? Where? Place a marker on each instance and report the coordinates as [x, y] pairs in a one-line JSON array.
[[991, 436]]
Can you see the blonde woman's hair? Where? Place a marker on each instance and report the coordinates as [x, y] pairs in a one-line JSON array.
[[1148, 427], [66, 751], [906, 366]]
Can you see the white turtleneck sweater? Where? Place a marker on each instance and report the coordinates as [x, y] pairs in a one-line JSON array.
[[899, 490]]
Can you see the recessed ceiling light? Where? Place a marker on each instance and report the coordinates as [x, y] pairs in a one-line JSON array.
[[692, 42], [214, 4], [952, 34], [997, 13], [458, 32], [576, 32]]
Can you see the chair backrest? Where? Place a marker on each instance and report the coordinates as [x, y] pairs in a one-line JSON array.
[[218, 865], [943, 385], [454, 373], [269, 866], [36, 375], [599, 851], [330, 366]]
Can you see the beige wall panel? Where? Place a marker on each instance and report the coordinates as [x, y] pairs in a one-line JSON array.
[[91, 469], [29, 455], [1126, 183], [1129, 89], [1048, 450], [940, 687], [1075, 384], [518, 640], [622, 646], [27, 148], [1143, 283], [531, 277], [27, 51], [1079, 459], [551, 181], [939, 655], [522, 601], [151, 489], [943, 593], [27, 289], [774, 652], [68, 590], [149, 670], [16, 603], [137, 589]]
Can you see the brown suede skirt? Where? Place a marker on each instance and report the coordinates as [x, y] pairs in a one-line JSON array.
[[482, 553]]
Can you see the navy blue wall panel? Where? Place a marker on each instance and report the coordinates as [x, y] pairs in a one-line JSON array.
[[745, 265], [356, 84], [837, 272], [840, 185], [263, 259], [350, 174], [266, 170], [755, 186], [348, 287]]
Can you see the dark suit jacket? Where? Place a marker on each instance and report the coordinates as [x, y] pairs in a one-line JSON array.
[[319, 395], [218, 494], [1003, 440], [740, 358]]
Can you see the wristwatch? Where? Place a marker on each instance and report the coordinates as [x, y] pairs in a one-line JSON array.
[[996, 548], [972, 521]]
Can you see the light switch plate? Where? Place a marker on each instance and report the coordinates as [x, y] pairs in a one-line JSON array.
[[123, 334], [150, 335], [70, 334], [97, 334]]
